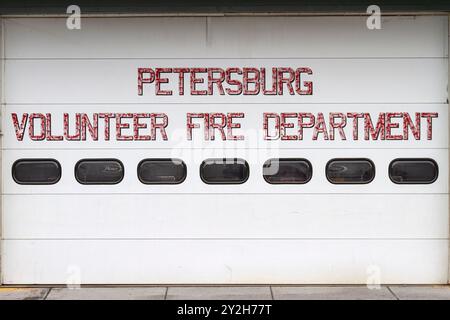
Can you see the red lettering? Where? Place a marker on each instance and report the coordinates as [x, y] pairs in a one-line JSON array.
[[159, 80], [195, 81], [339, 126], [142, 79], [288, 81], [390, 125], [231, 126], [218, 81], [19, 129], [251, 80], [267, 135]]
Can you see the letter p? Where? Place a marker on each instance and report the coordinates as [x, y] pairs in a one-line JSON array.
[[145, 75]]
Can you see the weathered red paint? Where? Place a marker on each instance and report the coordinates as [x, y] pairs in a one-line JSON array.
[[429, 116], [107, 117], [91, 126], [284, 125], [393, 125], [159, 79], [248, 81], [267, 116], [302, 124], [339, 126], [195, 81], [31, 132], [383, 130], [273, 90], [142, 79], [320, 127], [232, 125], [251, 77], [49, 135], [120, 125], [211, 125], [233, 82], [181, 72], [19, 128], [408, 123], [286, 80], [308, 90], [216, 80], [218, 126], [147, 126], [355, 116], [159, 126], [138, 126], [77, 135]]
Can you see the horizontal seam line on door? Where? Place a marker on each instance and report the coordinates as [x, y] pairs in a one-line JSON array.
[[225, 239], [233, 148], [224, 193], [443, 103], [221, 58]]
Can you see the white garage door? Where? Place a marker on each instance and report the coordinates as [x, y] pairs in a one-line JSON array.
[[335, 140]]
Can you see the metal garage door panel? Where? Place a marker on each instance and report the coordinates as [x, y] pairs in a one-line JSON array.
[[334, 81], [232, 37], [255, 184], [225, 261], [251, 126], [230, 216], [312, 233]]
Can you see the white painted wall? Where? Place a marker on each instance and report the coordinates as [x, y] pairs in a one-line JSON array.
[[250, 233]]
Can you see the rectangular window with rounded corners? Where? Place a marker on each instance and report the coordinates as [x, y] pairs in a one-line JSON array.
[[287, 171], [36, 171], [99, 171], [413, 171], [350, 171], [161, 171], [224, 171]]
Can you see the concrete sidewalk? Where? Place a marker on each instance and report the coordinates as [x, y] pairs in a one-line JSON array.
[[229, 293]]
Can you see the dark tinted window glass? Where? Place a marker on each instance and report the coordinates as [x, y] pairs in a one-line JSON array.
[[224, 171], [99, 171], [36, 171], [161, 171], [287, 171], [417, 171], [350, 171]]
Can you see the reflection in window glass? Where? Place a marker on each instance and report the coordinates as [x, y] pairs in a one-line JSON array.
[[350, 171], [287, 171], [413, 171], [36, 171], [161, 171], [99, 171], [224, 171]]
